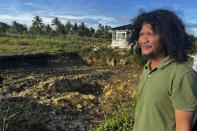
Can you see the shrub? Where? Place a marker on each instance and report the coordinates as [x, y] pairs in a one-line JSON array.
[[190, 61], [138, 60]]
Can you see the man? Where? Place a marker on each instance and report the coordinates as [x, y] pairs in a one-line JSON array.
[[167, 90]]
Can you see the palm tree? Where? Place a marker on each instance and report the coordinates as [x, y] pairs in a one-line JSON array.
[[37, 23], [92, 32], [14, 28], [68, 28], [56, 22], [75, 28], [17, 28], [48, 29], [82, 30], [3, 27]]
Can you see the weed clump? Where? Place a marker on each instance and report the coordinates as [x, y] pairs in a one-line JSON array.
[[122, 119]]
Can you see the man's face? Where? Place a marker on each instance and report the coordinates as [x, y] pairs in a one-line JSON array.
[[149, 42]]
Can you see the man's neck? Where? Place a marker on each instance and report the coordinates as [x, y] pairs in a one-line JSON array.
[[156, 61]]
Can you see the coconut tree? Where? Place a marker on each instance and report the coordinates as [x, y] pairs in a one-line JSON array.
[[48, 29], [68, 28], [3, 27], [37, 23], [75, 28], [17, 28], [14, 28], [92, 32], [58, 25], [83, 30]]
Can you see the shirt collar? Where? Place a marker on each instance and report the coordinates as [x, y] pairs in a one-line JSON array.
[[162, 65], [147, 66]]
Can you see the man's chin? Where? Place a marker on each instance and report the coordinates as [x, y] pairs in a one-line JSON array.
[[150, 55]]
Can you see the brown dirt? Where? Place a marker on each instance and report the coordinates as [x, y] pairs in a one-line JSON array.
[[61, 91]]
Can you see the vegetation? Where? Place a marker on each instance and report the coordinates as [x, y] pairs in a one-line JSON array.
[[15, 28], [8, 113], [122, 119], [37, 24], [40, 29], [22, 44]]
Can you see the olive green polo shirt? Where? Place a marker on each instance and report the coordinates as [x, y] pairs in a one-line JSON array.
[[169, 86]]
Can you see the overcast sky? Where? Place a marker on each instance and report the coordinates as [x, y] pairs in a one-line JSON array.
[[93, 12]]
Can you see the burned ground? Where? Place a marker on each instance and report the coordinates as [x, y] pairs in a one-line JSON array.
[[61, 91]]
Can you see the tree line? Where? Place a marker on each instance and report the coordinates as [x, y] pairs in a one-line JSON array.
[[56, 28]]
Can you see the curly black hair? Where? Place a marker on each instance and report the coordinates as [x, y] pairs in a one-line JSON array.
[[176, 41]]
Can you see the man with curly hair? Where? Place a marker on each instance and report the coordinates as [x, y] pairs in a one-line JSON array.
[[167, 90]]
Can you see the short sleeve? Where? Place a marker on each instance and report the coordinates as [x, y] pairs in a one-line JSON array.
[[184, 92]]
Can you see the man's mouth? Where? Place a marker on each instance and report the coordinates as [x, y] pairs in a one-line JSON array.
[[146, 46]]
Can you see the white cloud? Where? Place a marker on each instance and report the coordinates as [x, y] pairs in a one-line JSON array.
[[90, 17], [23, 19], [36, 6], [192, 31], [26, 17]]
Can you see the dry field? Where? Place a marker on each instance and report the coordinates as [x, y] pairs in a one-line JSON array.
[[61, 91]]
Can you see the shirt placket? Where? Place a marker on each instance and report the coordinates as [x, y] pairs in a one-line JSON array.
[[144, 83]]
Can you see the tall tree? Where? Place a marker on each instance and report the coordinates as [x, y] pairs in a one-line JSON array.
[[48, 29], [103, 31], [99, 31], [83, 30], [37, 23], [68, 28], [75, 28], [92, 32], [17, 28], [58, 25], [3, 27], [107, 31]]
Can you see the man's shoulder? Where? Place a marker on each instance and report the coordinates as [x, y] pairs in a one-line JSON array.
[[183, 68]]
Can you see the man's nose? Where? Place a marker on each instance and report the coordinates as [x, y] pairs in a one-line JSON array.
[[145, 39]]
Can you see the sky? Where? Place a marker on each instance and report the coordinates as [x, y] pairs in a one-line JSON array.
[[94, 12]]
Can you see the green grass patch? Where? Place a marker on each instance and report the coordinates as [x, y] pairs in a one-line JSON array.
[[19, 44], [122, 119]]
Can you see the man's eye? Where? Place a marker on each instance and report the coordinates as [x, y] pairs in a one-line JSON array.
[[151, 34]]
